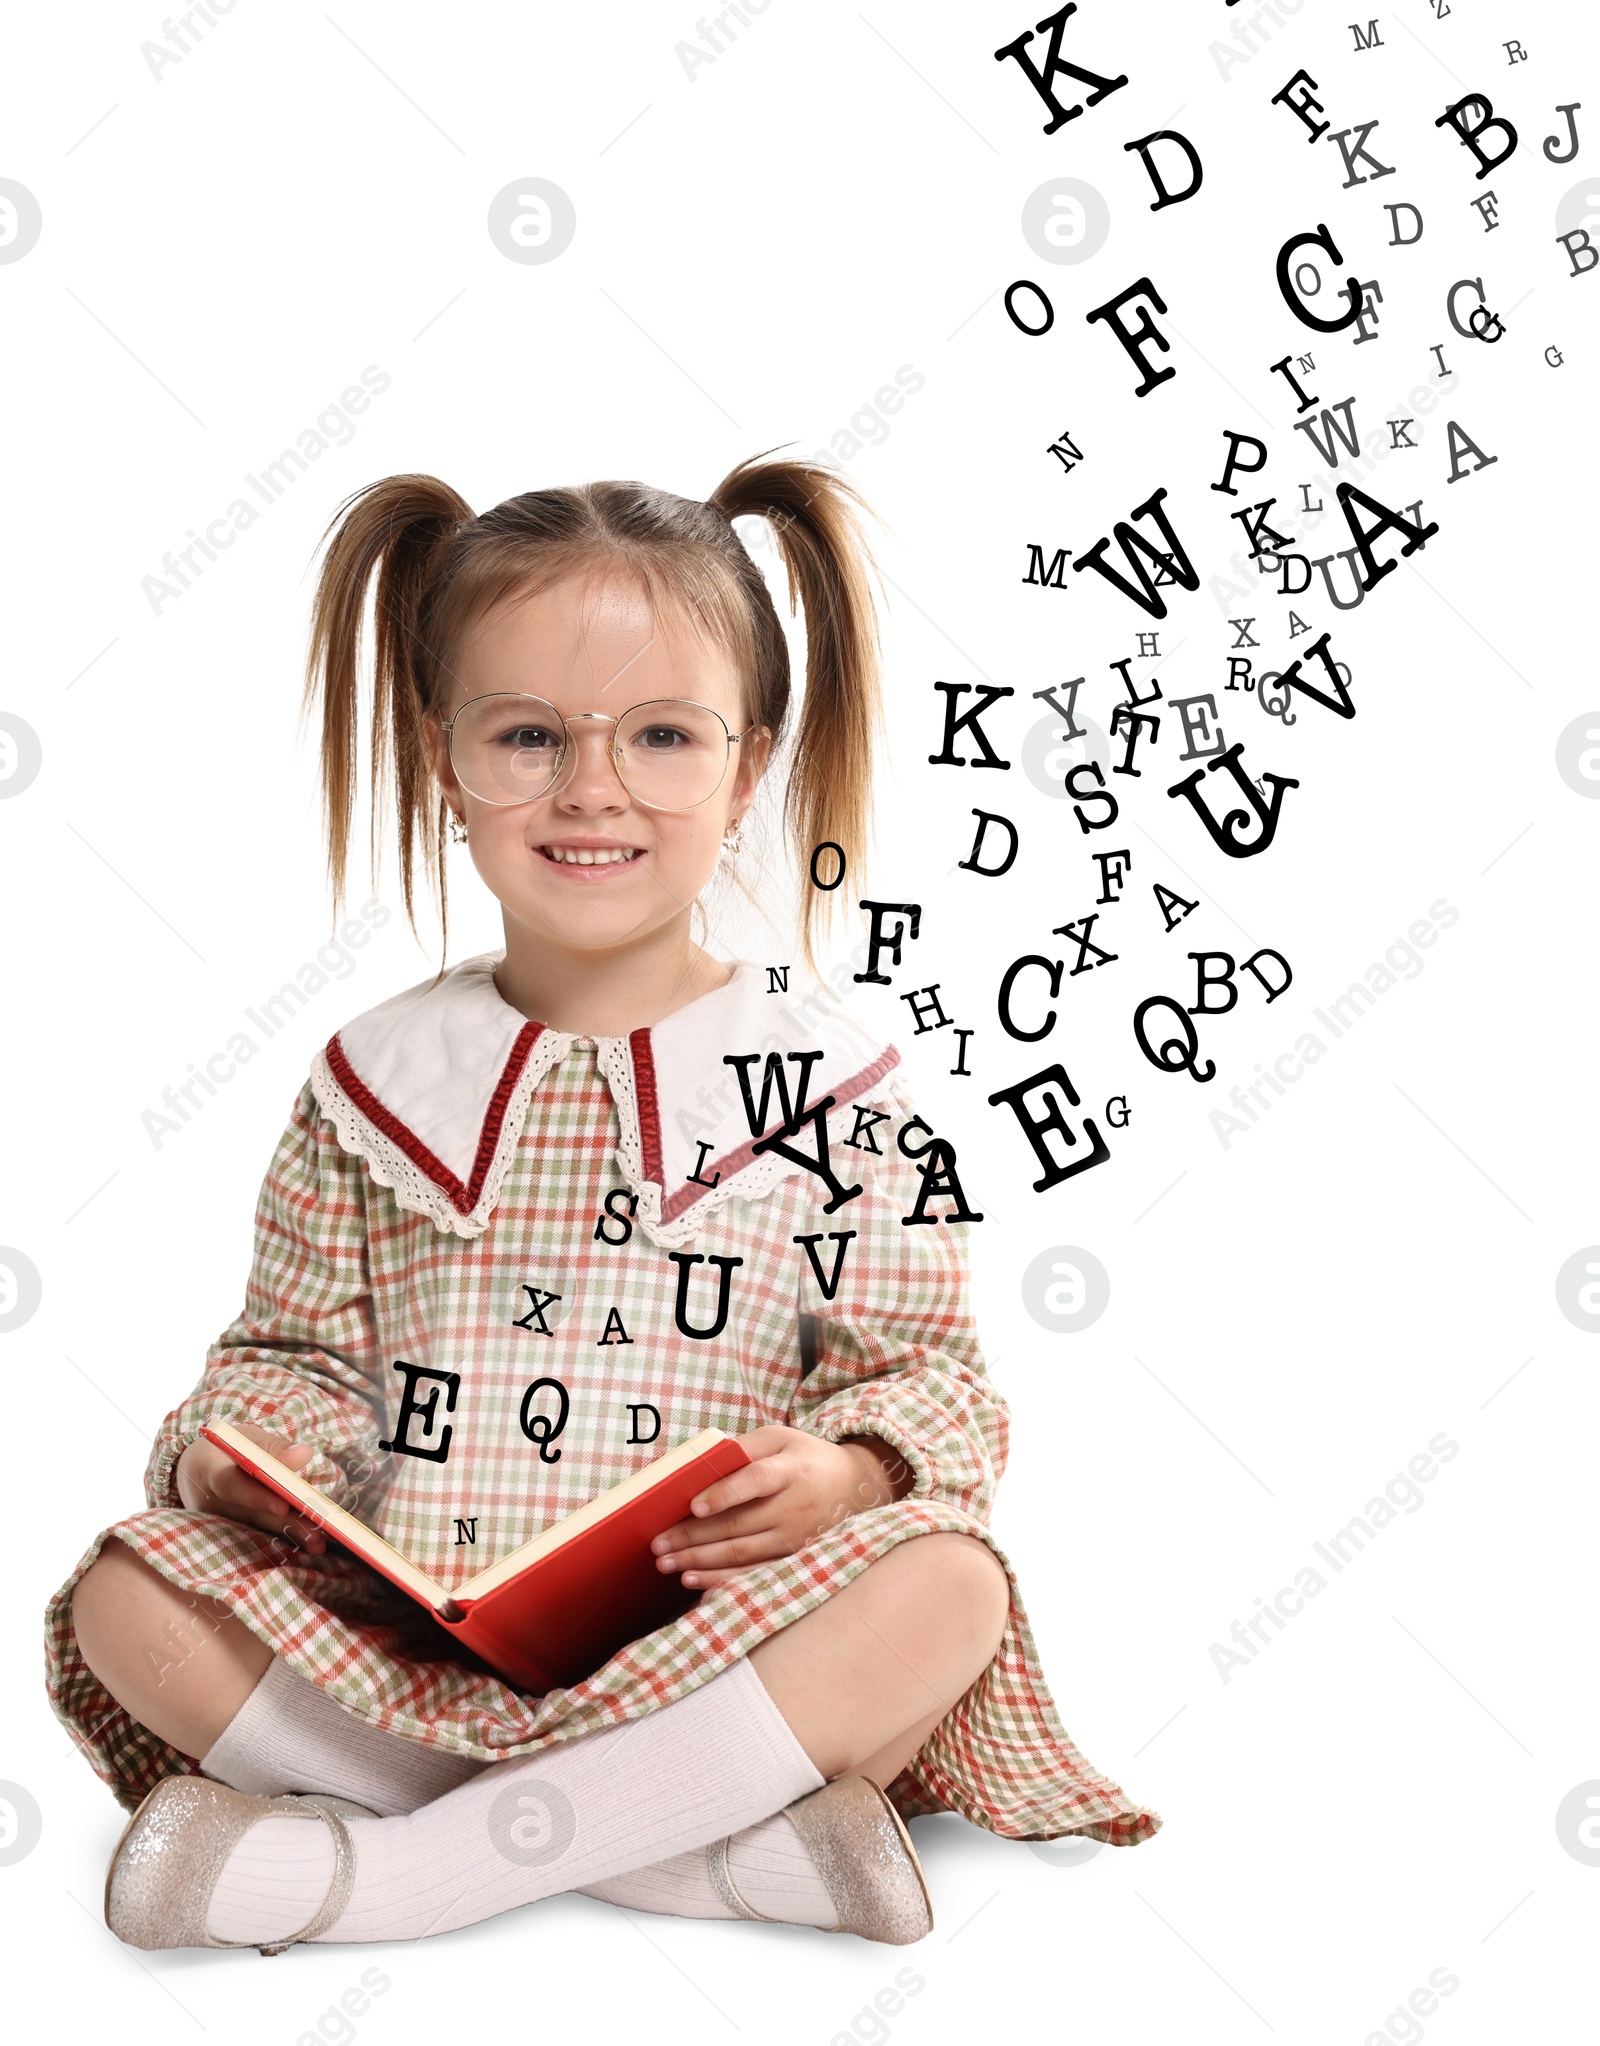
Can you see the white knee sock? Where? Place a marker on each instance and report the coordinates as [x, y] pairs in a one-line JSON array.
[[289, 1735], [770, 1867], [709, 1765]]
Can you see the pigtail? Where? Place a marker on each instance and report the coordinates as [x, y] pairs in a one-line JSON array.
[[400, 529], [815, 517]]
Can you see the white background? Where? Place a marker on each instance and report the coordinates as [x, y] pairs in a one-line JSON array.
[[1292, 1316]]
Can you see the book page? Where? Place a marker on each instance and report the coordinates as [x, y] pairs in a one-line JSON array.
[[317, 1506], [599, 1509]]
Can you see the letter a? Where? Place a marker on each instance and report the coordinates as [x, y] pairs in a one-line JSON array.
[[939, 1178], [1387, 521], [1461, 443]]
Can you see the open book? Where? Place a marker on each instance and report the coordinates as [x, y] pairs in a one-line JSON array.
[[552, 1612]]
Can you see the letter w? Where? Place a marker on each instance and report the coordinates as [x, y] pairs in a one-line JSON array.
[[1323, 442], [1172, 567], [772, 1076]]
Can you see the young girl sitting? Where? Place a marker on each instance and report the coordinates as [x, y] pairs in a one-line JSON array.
[[517, 1211]]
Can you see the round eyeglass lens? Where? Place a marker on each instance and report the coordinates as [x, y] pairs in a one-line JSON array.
[[507, 749], [671, 755]]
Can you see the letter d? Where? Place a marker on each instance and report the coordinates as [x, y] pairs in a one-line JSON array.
[[973, 863], [635, 1409], [1266, 952], [1397, 240], [1196, 176], [1293, 589]]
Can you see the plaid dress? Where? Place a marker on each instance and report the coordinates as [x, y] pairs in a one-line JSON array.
[[483, 1199]]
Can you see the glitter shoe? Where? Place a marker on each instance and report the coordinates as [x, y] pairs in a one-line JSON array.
[[864, 1856], [166, 1865]]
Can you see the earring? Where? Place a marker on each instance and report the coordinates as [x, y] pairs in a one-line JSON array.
[[733, 837], [458, 830]]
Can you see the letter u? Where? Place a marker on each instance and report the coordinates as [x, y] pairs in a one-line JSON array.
[[684, 1260], [1348, 556]]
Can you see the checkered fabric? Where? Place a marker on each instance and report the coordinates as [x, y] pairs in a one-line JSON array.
[[345, 1282]]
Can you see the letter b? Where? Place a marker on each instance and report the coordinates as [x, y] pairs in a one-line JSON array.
[[1455, 117], [1223, 980]]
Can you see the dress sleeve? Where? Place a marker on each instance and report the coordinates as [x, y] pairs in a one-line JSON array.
[[302, 1358], [897, 1354]]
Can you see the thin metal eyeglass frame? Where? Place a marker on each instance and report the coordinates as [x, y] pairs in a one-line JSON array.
[[569, 750]]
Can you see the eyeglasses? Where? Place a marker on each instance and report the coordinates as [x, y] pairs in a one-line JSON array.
[[669, 754]]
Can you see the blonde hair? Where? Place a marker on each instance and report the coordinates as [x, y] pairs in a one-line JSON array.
[[434, 569]]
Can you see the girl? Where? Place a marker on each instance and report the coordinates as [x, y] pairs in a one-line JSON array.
[[521, 1224]]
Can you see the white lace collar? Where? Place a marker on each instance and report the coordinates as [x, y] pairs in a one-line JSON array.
[[431, 1089]]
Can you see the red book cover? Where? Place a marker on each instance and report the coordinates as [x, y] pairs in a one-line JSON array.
[[554, 1611]]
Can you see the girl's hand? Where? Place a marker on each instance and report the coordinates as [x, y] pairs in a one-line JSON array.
[[209, 1481], [794, 1488]]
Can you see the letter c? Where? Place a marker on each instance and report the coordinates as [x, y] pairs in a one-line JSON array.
[[1291, 296], [1053, 968], [1463, 284]]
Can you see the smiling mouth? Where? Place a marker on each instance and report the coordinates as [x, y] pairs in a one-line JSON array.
[[591, 856]]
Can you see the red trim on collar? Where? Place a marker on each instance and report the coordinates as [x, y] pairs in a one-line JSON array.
[[735, 1161], [463, 1197], [644, 1088]]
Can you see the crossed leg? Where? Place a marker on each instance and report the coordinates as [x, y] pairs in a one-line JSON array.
[[862, 1679], [855, 1686]]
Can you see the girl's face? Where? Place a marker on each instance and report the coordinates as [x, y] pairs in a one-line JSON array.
[[594, 645]]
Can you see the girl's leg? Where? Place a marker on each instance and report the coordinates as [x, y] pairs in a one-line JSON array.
[[849, 1683], [935, 1608], [179, 1664], [864, 1679], [184, 1668]]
